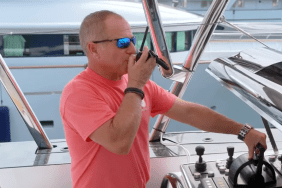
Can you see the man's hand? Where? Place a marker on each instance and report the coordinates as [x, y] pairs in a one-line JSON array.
[[252, 139], [139, 72]]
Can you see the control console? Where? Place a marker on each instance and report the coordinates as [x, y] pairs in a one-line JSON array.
[[260, 172]]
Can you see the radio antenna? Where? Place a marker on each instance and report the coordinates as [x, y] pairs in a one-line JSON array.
[[144, 39]]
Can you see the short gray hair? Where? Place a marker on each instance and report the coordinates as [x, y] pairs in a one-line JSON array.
[[93, 27]]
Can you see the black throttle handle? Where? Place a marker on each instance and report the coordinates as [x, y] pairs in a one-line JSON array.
[[259, 156]]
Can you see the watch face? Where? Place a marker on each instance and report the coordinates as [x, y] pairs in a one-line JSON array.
[[243, 133], [240, 137], [245, 129]]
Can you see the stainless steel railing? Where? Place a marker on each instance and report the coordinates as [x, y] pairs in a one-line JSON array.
[[23, 107], [48, 67], [183, 74], [157, 34]]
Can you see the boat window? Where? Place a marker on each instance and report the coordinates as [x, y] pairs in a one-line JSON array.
[[184, 40], [176, 41], [218, 27], [181, 41], [52, 45], [13, 45], [170, 41], [191, 37], [139, 40], [31, 45], [273, 73], [1, 45], [72, 45]]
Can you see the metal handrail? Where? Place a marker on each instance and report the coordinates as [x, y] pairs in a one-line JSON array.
[[184, 73], [23, 107], [158, 35], [48, 66], [79, 66]]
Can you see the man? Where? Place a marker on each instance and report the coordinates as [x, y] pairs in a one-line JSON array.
[[106, 109]]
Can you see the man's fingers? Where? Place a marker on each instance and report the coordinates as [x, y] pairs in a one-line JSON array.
[[263, 141], [265, 146], [251, 153], [252, 139], [153, 62], [131, 60], [144, 55]]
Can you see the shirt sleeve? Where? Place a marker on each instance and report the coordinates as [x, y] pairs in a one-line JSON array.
[[85, 111], [162, 100]]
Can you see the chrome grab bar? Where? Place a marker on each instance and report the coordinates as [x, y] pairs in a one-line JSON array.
[[184, 73], [23, 107], [157, 34], [49, 66]]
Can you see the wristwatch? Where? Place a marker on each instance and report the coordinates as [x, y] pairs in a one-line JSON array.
[[245, 129]]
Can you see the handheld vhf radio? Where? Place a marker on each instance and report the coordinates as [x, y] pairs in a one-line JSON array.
[[150, 53]]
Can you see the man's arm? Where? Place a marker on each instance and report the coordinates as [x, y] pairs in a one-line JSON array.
[[208, 120], [117, 134]]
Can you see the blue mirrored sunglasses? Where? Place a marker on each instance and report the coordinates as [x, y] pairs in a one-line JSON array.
[[121, 43]]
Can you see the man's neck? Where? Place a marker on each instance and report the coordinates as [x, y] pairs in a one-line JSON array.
[[104, 73]]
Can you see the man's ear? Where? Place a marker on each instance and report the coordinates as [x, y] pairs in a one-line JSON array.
[[92, 49]]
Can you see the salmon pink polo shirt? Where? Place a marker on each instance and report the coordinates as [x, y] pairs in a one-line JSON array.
[[87, 102]]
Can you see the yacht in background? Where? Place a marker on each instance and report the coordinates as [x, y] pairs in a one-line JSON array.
[[39, 41], [48, 55], [45, 55], [236, 10]]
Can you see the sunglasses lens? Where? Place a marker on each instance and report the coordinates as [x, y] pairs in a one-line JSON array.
[[123, 43], [133, 40]]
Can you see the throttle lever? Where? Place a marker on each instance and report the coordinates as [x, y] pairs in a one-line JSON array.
[[259, 157], [253, 178]]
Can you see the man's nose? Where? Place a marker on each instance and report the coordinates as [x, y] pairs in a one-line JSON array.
[[131, 49]]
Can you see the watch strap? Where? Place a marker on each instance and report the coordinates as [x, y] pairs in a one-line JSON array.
[[135, 90], [244, 131]]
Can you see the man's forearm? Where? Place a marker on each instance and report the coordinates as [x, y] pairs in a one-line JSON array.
[[211, 121], [126, 122], [202, 117]]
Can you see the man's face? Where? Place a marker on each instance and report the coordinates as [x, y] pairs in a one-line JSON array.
[[115, 59]]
